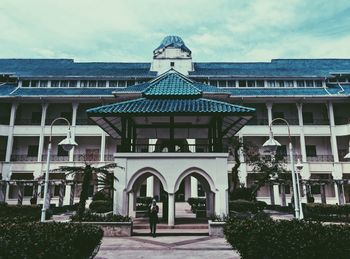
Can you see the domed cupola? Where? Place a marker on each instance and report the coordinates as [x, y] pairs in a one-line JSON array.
[[172, 53]]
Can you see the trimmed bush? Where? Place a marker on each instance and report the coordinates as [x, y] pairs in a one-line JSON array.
[[197, 204], [327, 212], [100, 206], [64, 209], [48, 240], [255, 239], [21, 213], [246, 206], [242, 194], [287, 209], [91, 217], [101, 196]]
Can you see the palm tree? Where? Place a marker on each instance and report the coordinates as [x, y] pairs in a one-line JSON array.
[[105, 178]]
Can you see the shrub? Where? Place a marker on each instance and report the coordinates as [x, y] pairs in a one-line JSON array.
[[48, 240], [197, 204], [100, 206], [246, 206], [22, 212], [242, 194], [287, 239], [287, 209], [91, 217], [327, 212], [64, 209], [101, 196]]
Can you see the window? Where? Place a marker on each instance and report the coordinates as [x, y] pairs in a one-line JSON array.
[[73, 83], [318, 83], [32, 150], [36, 117], [271, 83], [83, 83], [260, 83], [222, 83], [308, 117], [288, 83], [172, 64], [64, 83], [278, 115], [43, 83], [55, 83], [309, 83], [300, 83], [34, 83], [101, 83], [315, 189], [242, 83], [231, 83], [25, 83], [61, 151], [251, 83], [92, 83], [311, 150]]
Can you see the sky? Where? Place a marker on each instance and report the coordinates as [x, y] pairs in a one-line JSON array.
[[215, 30]]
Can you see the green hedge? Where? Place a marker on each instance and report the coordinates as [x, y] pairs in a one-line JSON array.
[[197, 204], [48, 240], [246, 206], [327, 212], [91, 217], [255, 239], [287, 209], [101, 206], [242, 194], [22, 212]]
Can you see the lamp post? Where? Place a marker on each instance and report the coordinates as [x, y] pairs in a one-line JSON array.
[[272, 144], [67, 144]]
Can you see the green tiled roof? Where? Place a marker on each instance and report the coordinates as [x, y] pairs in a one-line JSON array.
[[173, 84], [161, 106]]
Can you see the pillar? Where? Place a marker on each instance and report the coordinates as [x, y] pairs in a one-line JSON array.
[[194, 187], [221, 202], [103, 146], [132, 212], [61, 194], [171, 209], [10, 132], [20, 187], [74, 121], [44, 107], [323, 193], [276, 194], [272, 196], [187, 187], [269, 112], [283, 195], [339, 191], [301, 128], [150, 186], [72, 192]]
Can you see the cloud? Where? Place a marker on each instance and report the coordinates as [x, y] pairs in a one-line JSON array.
[[223, 30]]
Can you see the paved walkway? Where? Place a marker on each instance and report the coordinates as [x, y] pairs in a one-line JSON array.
[[166, 247]]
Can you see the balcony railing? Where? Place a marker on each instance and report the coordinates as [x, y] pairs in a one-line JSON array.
[[23, 158], [56, 158], [320, 158]]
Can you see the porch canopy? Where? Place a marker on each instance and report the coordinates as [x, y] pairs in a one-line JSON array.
[[171, 108]]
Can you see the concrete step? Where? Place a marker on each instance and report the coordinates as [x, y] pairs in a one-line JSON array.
[[165, 226], [172, 232]]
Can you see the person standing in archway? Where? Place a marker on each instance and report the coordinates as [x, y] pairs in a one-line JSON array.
[[153, 217]]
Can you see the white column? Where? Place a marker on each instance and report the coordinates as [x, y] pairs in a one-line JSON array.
[[269, 112], [69, 189], [44, 107], [221, 202], [10, 133], [187, 187], [171, 209], [74, 121], [131, 206], [194, 187], [103, 146], [333, 136], [150, 186], [276, 194]]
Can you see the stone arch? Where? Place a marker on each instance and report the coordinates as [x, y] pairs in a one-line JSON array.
[[200, 174], [142, 174]]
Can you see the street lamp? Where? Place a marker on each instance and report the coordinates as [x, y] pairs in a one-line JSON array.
[[272, 144], [67, 144]]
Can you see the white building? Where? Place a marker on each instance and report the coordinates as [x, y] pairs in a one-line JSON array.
[[311, 94]]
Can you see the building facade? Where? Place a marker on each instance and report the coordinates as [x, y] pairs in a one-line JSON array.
[[311, 94]]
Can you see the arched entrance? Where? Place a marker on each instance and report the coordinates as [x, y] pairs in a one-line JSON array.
[[139, 195], [194, 183]]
